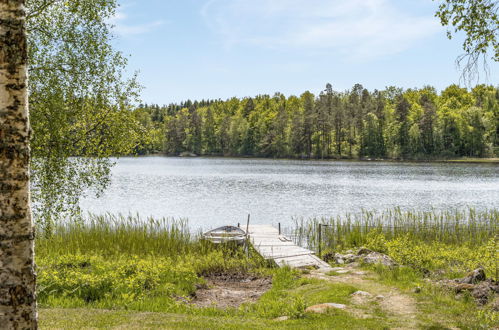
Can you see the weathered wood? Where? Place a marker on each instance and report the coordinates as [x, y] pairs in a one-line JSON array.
[[272, 246]]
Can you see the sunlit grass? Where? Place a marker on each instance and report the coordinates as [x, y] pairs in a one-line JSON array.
[[450, 241], [118, 234], [453, 227]]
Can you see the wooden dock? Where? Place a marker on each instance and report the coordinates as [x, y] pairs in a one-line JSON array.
[[270, 245]]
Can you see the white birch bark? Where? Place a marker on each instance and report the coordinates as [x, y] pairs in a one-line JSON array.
[[17, 277]]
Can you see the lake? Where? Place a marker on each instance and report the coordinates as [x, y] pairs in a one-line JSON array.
[[216, 191]]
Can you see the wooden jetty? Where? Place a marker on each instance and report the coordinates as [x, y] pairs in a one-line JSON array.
[[270, 245]]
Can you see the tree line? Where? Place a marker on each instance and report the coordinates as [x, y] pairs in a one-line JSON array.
[[357, 123]]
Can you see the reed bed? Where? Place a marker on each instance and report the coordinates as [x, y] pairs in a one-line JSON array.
[[110, 234], [470, 227]]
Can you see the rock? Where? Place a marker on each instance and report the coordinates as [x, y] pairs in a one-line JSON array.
[[476, 276], [327, 257], [378, 258], [345, 258], [359, 273], [349, 258], [482, 292], [363, 251], [282, 318], [464, 287], [380, 297], [362, 293], [323, 308]]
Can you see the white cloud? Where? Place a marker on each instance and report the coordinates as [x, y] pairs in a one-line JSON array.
[[355, 28], [123, 28]]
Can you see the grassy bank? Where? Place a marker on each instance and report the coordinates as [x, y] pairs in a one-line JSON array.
[[114, 271], [124, 271], [449, 243], [128, 262]]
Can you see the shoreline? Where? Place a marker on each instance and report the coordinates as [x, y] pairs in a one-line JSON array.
[[462, 160]]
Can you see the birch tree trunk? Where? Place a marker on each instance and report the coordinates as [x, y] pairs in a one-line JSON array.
[[17, 277]]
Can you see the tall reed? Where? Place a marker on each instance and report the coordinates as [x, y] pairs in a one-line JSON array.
[[118, 234], [469, 227]]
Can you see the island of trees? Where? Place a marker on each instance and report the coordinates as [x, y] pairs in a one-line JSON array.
[[357, 123]]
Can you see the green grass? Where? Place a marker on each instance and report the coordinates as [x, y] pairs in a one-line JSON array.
[[113, 271], [289, 296], [126, 262], [454, 227], [450, 241], [110, 235], [439, 307], [91, 318]]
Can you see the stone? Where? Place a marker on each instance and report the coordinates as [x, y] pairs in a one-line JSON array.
[[359, 273], [349, 258], [380, 297], [329, 256], [362, 293], [323, 308], [464, 287], [363, 251], [476, 276], [378, 258], [282, 318], [482, 292]]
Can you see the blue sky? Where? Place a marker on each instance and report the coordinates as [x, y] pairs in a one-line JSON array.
[[200, 49]]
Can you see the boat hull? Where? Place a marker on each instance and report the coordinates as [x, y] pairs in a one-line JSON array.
[[226, 234]]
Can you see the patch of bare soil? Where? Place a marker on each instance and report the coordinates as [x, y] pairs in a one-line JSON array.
[[231, 290]]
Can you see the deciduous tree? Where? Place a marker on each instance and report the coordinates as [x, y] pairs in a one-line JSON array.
[[17, 277]]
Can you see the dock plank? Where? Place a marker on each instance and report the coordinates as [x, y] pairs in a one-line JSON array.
[[270, 245]]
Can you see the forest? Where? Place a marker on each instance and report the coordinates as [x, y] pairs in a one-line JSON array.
[[357, 123]]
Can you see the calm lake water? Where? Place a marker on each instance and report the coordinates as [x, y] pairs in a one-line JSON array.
[[217, 191]]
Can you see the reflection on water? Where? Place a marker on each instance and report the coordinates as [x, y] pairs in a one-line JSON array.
[[217, 191]]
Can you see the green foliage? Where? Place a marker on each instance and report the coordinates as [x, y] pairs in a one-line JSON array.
[[79, 103], [479, 20], [111, 235], [115, 261], [376, 241], [453, 259], [412, 124], [91, 278], [451, 242], [279, 300]]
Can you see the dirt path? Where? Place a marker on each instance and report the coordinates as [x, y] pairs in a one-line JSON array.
[[398, 306]]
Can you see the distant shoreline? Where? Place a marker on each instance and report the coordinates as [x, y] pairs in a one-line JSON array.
[[462, 160]]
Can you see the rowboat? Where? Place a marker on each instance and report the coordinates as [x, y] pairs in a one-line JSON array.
[[225, 234]]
